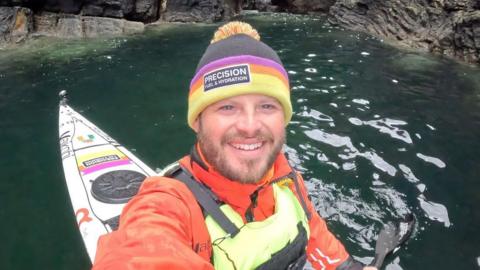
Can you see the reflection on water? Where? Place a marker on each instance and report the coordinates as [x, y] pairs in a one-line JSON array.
[[349, 152], [434, 211], [387, 126], [376, 132], [436, 161]]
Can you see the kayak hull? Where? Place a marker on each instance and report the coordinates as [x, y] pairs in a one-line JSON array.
[[101, 175]]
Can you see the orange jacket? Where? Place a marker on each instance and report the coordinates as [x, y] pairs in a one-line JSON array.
[[163, 226]]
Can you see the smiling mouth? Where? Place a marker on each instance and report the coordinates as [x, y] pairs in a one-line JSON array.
[[247, 147]]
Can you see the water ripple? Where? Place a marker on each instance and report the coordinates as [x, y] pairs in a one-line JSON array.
[[317, 115], [350, 150], [337, 203], [408, 174], [435, 161], [387, 126], [434, 211], [361, 101]]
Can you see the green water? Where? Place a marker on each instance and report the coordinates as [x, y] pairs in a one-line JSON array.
[[377, 132]]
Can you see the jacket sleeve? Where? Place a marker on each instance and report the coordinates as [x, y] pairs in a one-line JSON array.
[[324, 250], [156, 231]]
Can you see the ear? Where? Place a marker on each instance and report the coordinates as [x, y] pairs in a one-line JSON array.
[[196, 124]]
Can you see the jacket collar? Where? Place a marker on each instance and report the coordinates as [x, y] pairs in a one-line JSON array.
[[227, 190]]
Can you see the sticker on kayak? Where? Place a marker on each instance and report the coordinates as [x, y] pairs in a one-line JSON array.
[[101, 160], [86, 139], [65, 150], [84, 216]]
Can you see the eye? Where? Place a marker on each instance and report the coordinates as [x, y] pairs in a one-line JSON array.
[[227, 107], [268, 107]]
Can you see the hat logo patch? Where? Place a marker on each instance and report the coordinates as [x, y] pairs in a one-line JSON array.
[[226, 76]]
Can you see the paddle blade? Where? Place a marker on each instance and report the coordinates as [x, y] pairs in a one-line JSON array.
[[391, 237]]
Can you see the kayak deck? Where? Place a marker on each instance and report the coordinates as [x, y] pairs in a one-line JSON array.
[[101, 175]]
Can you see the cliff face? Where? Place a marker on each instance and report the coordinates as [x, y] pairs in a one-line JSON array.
[[19, 23], [20, 19], [135, 10], [450, 27], [15, 24], [145, 11]]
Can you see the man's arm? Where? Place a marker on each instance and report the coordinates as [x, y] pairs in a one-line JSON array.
[[155, 231]]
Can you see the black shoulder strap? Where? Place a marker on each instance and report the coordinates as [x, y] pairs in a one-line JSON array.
[[206, 200], [300, 195]]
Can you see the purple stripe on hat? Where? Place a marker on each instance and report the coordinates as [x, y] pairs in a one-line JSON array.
[[238, 59]]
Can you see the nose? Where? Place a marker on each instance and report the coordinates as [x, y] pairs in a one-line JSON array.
[[249, 123]]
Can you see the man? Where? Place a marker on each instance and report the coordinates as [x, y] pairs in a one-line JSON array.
[[234, 202]]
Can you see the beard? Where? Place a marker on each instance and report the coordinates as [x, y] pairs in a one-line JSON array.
[[248, 171]]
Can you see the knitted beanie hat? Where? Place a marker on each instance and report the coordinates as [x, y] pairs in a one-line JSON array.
[[237, 63]]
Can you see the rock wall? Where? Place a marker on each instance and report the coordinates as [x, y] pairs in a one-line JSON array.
[[449, 27], [15, 24], [307, 6], [18, 23], [20, 19], [134, 10], [76, 26], [194, 10], [145, 11]]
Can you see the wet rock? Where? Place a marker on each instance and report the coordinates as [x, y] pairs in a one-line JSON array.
[[63, 6], [138, 10], [74, 26], [442, 26], [70, 27], [45, 24], [266, 6], [255, 6], [195, 10], [113, 13], [306, 6], [130, 27], [16, 24], [92, 10], [143, 10], [97, 27], [103, 8]]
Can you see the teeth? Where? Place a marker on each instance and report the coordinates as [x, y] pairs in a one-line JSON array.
[[247, 147]]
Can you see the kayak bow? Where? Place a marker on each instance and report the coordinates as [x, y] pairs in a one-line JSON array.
[[101, 174]]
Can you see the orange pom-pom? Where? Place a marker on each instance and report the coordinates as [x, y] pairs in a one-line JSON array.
[[233, 28]]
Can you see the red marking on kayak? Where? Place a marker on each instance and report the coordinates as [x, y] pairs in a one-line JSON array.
[[84, 218]]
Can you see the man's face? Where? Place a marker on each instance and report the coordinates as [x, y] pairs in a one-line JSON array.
[[241, 136]]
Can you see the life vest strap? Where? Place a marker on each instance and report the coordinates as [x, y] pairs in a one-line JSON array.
[[206, 200], [300, 196]]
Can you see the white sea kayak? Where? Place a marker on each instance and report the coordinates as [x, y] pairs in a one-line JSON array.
[[101, 175]]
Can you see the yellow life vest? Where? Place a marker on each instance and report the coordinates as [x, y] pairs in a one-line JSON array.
[[278, 242], [258, 242]]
